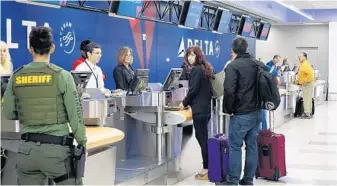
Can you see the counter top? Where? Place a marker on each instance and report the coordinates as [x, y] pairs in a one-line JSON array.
[[170, 117], [96, 136], [295, 87], [186, 113], [319, 82], [282, 91], [102, 136]]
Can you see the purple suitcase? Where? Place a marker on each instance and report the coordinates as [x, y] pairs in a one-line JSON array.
[[218, 158]]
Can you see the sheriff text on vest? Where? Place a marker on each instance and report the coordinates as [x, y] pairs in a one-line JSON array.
[[33, 79]]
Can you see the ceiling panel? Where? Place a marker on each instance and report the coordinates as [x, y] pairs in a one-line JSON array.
[[332, 4]]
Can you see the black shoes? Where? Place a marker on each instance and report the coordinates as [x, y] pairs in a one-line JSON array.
[[306, 116], [242, 182]]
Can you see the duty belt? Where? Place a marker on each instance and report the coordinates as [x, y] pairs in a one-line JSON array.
[[49, 139]]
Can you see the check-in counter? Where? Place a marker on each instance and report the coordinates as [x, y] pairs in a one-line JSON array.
[[100, 147], [292, 95], [282, 114], [151, 122], [320, 91]]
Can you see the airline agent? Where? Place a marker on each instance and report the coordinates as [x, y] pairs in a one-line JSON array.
[[94, 54], [83, 50], [123, 72]]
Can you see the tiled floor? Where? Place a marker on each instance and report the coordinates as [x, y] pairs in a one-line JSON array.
[[311, 150]]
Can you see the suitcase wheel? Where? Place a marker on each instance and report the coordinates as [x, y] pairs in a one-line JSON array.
[[276, 174]]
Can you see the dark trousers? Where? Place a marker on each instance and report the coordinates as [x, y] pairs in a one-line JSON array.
[[200, 122]]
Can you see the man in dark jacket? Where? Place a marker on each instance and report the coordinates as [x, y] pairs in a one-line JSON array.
[[240, 101]]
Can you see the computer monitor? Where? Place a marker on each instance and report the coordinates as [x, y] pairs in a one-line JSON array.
[[222, 21], [172, 79], [139, 81], [254, 31], [127, 9], [58, 3], [4, 82], [246, 25], [286, 69], [81, 80], [191, 13], [264, 31], [235, 23]]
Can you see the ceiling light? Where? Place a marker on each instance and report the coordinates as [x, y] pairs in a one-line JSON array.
[[313, 23], [293, 8]]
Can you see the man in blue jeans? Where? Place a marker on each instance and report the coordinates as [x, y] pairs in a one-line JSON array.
[[240, 101]]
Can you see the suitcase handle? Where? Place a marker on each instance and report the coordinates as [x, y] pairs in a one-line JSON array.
[[300, 92], [271, 124]]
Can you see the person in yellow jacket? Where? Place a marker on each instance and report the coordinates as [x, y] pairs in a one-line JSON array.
[[306, 80]]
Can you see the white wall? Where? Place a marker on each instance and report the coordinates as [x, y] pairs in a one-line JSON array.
[[290, 40], [332, 59]]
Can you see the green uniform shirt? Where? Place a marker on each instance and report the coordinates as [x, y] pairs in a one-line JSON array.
[[67, 88]]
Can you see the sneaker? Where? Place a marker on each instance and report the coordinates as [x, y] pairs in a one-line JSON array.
[[242, 182], [202, 175], [225, 183], [306, 116]]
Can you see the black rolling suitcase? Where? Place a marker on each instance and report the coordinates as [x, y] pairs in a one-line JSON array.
[[299, 108]]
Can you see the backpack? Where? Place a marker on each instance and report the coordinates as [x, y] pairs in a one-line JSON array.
[[268, 94]]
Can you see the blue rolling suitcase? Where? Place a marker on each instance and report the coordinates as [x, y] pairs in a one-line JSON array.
[[218, 158]]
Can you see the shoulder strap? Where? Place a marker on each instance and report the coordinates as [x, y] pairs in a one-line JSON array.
[[92, 73], [259, 69]]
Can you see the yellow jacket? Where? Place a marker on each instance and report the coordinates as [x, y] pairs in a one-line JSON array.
[[305, 73]]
